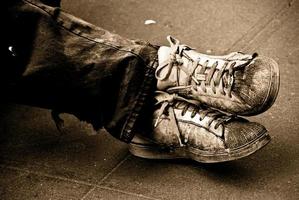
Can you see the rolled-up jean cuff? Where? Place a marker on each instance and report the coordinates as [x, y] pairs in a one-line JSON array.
[[146, 92]]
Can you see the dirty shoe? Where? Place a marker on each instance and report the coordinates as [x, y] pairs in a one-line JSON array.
[[181, 129], [235, 83]]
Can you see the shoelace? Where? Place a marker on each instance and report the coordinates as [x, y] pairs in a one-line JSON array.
[[223, 77], [173, 101]]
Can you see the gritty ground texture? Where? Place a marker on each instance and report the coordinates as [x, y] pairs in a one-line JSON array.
[[37, 163]]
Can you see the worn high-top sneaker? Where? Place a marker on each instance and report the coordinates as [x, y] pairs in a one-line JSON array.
[[182, 129], [235, 83]]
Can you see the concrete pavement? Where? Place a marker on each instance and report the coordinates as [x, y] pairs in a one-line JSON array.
[[37, 163]]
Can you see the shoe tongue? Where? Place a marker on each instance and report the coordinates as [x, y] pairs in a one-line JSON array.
[[162, 70], [163, 54]]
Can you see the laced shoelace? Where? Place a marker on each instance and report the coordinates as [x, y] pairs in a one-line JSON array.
[[221, 77], [172, 101]]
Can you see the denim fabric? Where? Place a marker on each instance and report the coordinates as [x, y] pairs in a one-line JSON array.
[[57, 61]]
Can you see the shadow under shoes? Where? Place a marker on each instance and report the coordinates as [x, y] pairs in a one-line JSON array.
[[235, 83], [183, 129]]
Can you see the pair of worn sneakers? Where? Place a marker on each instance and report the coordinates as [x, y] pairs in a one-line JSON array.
[[198, 103]]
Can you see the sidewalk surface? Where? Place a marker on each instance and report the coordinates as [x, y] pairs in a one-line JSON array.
[[37, 163]]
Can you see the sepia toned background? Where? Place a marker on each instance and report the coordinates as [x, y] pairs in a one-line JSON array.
[[36, 162]]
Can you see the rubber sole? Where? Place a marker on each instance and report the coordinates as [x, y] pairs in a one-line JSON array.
[[153, 151]]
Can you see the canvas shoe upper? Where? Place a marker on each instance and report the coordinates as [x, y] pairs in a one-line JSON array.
[[183, 129], [235, 83]]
